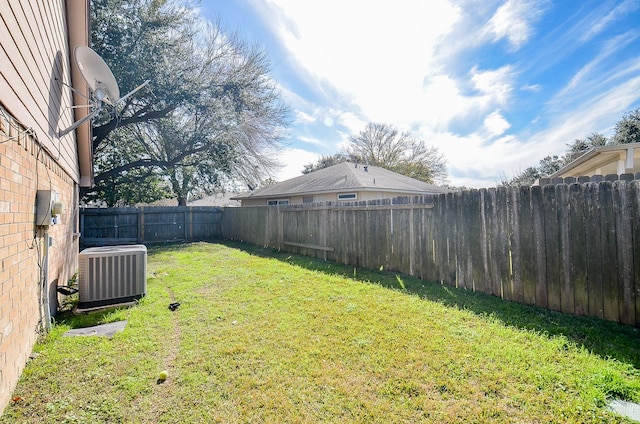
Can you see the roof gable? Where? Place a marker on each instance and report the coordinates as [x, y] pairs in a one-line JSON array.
[[346, 176]]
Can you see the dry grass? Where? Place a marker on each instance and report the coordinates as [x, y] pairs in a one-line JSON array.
[[265, 337]]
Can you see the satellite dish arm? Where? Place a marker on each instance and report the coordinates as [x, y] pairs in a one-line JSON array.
[[80, 122], [134, 91]]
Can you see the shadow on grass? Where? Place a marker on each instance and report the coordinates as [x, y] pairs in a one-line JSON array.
[[604, 338], [74, 319]]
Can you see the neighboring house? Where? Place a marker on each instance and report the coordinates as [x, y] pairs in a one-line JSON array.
[[346, 181], [36, 48], [603, 160], [217, 200], [222, 200]]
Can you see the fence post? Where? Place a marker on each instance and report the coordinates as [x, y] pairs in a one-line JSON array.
[[280, 229], [141, 224], [185, 220], [412, 242]]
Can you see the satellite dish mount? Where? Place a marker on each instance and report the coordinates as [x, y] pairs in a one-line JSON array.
[[102, 83]]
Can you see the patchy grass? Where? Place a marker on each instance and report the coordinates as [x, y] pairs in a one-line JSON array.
[[262, 336]]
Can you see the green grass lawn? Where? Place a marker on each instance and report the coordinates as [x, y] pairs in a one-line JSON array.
[[267, 337]]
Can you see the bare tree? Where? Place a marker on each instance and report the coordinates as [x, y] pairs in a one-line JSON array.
[[325, 162], [385, 146]]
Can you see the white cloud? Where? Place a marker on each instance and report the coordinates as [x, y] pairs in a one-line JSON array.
[[601, 23], [373, 53], [304, 117], [474, 162], [596, 71], [309, 140], [496, 124], [443, 100], [512, 21], [385, 67], [294, 161], [597, 113], [494, 85], [351, 121], [532, 87]]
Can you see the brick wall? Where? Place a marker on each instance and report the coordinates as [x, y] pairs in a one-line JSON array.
[[25, 167]]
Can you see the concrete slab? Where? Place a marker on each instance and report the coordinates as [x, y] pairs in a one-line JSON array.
[[107, 330], [628, 409]]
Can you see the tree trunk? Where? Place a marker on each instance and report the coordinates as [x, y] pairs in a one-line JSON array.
[[182, 201]]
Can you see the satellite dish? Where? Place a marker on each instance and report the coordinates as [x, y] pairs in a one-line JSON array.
[[100, 79], [97, 74]]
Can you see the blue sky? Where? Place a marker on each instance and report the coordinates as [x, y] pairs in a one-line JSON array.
[[494, 85]]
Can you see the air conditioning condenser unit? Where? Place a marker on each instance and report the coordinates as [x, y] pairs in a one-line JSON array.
[[112, 274]]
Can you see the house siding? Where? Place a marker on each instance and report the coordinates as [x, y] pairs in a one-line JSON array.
[[34, 63], [34, 107], [327, 197]]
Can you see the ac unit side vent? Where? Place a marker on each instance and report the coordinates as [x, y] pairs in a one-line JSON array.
[[111, 275]]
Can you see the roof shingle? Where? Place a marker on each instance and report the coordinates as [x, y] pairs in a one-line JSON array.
[[346, 176]]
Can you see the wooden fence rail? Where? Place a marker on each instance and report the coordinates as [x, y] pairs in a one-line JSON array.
[[573, 248]]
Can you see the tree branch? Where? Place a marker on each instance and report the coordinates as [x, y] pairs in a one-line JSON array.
[[101, 132], [147, 163]]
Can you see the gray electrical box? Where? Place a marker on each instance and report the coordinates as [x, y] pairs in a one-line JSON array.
[[47, 208]]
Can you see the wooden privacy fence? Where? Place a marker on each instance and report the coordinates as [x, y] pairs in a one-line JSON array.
[[149, 224], [573, 248]]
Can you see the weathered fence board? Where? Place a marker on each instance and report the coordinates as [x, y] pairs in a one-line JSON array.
[[624, 244], [524, 258], [475, 271], [111, 226], [573, 248], [635, 248], [593, 222], [503, 278], [609, 253], [552, 246], [540, 257], [577, 277], [567, 294]]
